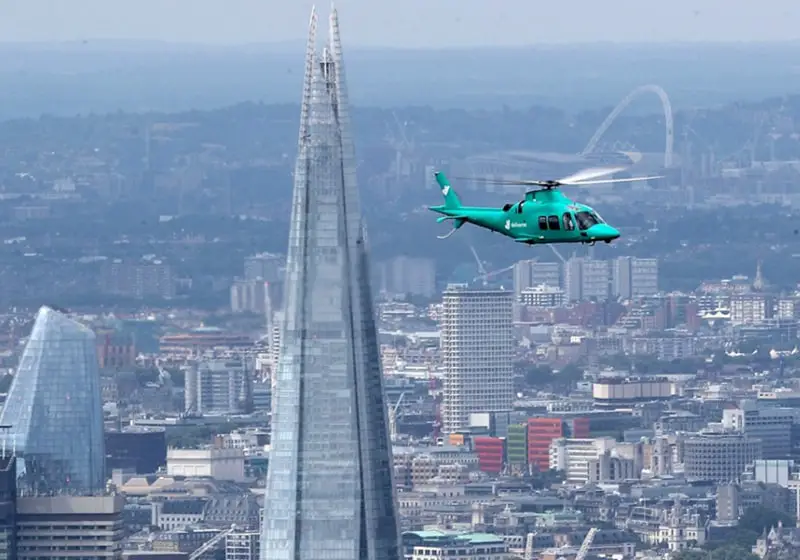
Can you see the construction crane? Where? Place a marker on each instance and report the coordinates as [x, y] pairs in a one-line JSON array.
[[210, 544], [587, 543], [483, 275], [164, 377], [393, 417]]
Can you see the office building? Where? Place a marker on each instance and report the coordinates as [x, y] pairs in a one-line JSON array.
[[533, 272], [220, 385], [139, 280], [264, 266], [214, 462], [141, 450], [477, 349], [57, 527], [634, 277], [329, 490], [250, 296], [750, 309], [719, 457], [408, 276], [54, 408], [773, 426], [242, 545], [541, 296], [587, 279]]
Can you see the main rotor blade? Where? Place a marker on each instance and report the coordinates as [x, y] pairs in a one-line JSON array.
[[511, 182], [605, 181], [591, 173]]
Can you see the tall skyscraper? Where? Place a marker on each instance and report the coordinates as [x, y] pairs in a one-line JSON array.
[[54, 408], [329, 491], [478, 350]]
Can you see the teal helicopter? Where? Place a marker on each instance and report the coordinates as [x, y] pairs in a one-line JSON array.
[[544, 216]]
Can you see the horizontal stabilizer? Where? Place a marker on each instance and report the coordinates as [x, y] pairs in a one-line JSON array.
[[444, 218]]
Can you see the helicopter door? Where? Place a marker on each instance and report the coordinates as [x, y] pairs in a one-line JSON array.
[[569, 223], [554, 223]]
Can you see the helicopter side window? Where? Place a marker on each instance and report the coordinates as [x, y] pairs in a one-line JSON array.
[[519, 208], [585, 220], [507, 207], [543, 222], [569, 225], [553, 222]]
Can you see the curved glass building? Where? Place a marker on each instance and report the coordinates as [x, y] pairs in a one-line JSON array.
[[54, 410]]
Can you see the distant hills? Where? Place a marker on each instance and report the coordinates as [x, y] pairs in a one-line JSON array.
[[109, 75]]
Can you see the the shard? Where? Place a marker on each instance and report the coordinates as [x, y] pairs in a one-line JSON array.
[[54, 409], [329, 492]]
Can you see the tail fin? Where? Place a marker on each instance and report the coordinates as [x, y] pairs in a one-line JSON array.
[[451, 199]]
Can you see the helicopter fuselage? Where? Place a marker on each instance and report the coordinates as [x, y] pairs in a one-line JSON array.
[[544, 216]]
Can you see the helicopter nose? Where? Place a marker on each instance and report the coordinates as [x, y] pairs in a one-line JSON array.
[[602, 232]]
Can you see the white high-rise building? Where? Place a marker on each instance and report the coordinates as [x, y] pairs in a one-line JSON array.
[[477, 349]]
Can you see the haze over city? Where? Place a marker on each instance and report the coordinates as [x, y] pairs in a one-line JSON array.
[[410, 23]]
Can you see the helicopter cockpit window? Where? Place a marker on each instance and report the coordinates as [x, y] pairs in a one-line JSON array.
[[569, 224], [586, 220], [543, 222], [597, 217], [507, 207], [553, 222]]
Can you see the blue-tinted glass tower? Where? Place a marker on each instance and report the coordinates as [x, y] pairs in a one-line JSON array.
[[54, 409], [329, 492]]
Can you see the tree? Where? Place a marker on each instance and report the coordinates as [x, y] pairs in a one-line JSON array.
[[538, 376], [690, 554], [757, 519], [732, 552], [729, 552]]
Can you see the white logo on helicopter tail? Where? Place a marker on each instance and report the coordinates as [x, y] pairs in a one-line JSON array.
[[445, 189]]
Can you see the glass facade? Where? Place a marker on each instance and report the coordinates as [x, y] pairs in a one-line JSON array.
[[54, 409], [329, 492]]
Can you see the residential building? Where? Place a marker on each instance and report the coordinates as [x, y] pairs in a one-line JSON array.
[[477, 345]]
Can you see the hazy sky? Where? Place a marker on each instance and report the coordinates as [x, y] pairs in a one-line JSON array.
[[415, 23]]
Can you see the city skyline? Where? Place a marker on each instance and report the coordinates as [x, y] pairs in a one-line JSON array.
[[329, 489]]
